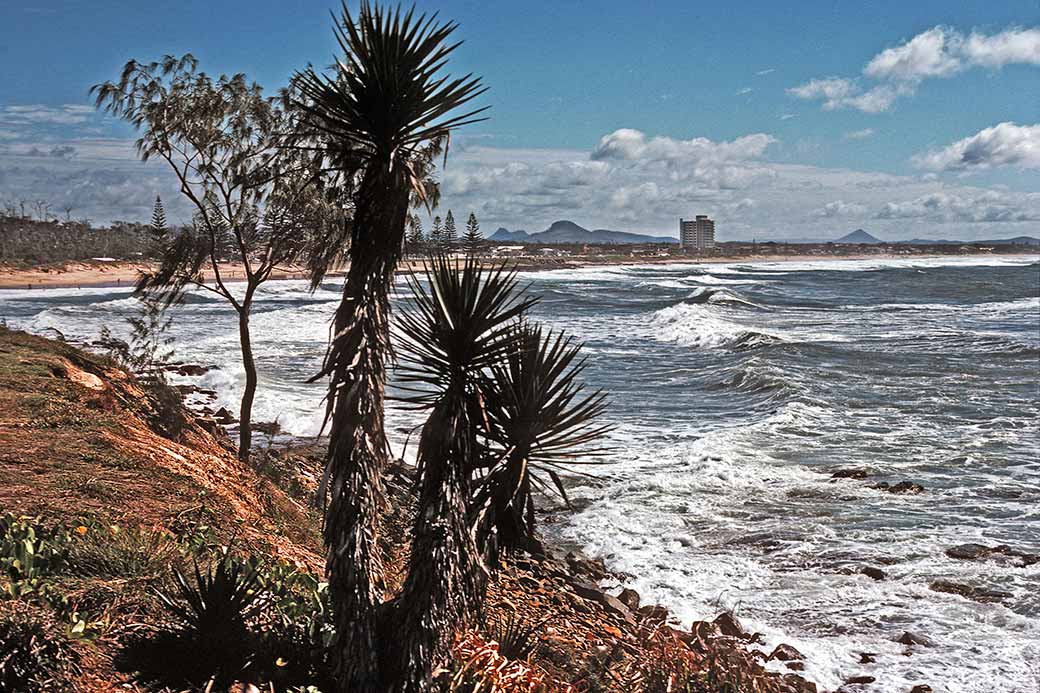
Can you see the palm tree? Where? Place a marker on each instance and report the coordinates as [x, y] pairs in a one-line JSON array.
[[539, 416], [384, 102], [457, 329]]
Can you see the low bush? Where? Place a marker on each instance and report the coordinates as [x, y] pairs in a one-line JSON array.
[[35, 655]]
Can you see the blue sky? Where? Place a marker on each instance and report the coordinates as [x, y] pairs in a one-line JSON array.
[[906, 119]]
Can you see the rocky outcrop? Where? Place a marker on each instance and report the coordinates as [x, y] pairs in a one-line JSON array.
[[1001, 553], [902, 487], [977, 594]]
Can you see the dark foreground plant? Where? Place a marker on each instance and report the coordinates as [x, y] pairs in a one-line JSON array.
[[458, 327], [375, 119], [539, 419], [35, 655], [214, 605]]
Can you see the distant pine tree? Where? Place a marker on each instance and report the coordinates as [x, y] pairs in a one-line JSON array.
[[437, 235], [158, 219], [472, 239], [415, 241], [451, 237]]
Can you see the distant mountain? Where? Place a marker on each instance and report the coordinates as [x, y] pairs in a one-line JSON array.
[[858, 236], [504, 234], [1017, 240], [569, 232]]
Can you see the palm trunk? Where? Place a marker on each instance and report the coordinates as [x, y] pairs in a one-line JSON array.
[[445, 583], [245, 411], [357, 451], [512, 520]]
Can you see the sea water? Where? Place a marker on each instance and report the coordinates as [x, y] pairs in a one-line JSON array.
[[736, 391]]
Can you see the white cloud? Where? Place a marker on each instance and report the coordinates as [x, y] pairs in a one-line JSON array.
[[631, 145], [745, 90], [839, 93], [767, 71], [987, 207], [938, 52], [925, 55], [645, 184], [1004, 144], [859, 134], [1015, 45], [839, 208], [830, 88], [787, 116], [69, 114]]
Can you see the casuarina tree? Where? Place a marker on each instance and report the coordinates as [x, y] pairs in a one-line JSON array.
[[376, 112], [253, 201]]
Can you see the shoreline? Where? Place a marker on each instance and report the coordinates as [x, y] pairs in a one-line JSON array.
[[96, 275]]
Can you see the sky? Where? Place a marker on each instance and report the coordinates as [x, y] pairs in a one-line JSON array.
[[779, 120]]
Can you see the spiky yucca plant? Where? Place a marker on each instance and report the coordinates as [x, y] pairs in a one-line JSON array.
[[374, 116], [459, 327], [539, 417]]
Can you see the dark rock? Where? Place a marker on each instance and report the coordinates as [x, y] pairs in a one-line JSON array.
[[860, 680], [908, 638], [867, 657], [729, 625], [902, 487], [210, 425], [593, 568], [796, 684], [977, 594], [785, 653], [872, 572], [189, 369], [654, 613], [609, 602], [629, 598], [851, 473], [1001, 552], [186, 389], [921, 688], [223, 416]]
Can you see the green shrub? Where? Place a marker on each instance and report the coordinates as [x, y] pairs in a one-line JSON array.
[[29, 553]]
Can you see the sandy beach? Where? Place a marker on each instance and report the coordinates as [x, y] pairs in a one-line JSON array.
[[108, 274]]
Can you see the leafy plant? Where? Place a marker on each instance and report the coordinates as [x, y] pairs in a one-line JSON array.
[[456, 328], [30, 552], [112, 551], [514, 634], [539, 418], [216, 605]]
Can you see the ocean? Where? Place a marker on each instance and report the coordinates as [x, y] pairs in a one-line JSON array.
[[736, 391]]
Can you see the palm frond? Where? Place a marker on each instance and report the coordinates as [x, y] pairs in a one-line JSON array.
[[386, 95], [462, 324]]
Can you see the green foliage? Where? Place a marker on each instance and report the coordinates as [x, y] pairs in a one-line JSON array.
[[29, 553], [34, 654], [450, 237]]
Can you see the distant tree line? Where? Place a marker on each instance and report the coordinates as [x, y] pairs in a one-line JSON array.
[[25, 240], [444, 237]]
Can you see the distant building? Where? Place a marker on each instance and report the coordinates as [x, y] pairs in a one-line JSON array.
[[697, 234]]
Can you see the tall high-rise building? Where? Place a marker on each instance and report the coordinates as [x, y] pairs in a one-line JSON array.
[[697, 234]]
